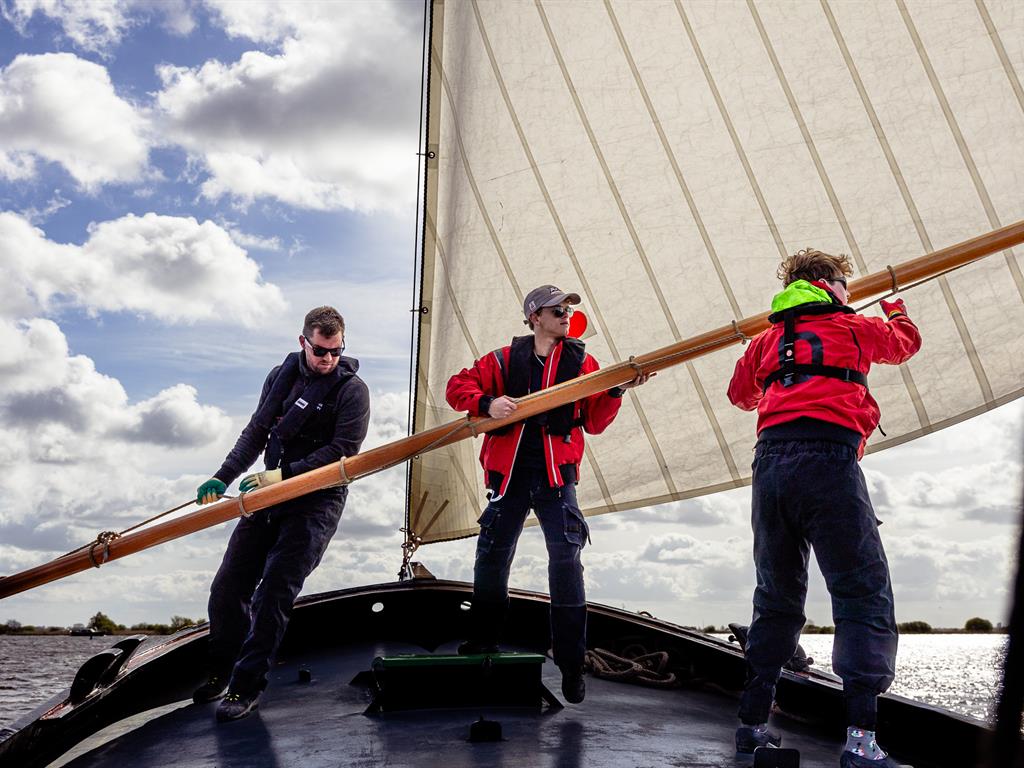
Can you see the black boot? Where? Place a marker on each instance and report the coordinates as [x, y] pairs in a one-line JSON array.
[[214, 688], [574, 688], [486, 620]]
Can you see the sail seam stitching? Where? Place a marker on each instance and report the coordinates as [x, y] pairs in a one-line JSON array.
[[549, 203], [645, 422], [1004, 58], [737, 144], [670, 154], [979, 186], [901, 183], [484, 213], [698, 219], [1011, 75], [451, 294]]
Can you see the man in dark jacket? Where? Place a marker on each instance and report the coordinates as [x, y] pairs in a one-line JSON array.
[[535, 464], [313, 411], [807, 377]]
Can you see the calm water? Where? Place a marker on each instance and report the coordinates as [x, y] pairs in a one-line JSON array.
[[959, 672]]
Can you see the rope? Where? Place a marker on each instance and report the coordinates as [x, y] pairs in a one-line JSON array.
[[105, 538], [636, 665], [736, 329], [896, 287]]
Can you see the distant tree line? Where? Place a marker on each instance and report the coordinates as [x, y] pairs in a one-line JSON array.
[[975, 625], [101, 624]]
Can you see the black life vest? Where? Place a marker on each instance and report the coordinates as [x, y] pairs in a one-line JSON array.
[[559, 421], [300, 412], [790, 372]]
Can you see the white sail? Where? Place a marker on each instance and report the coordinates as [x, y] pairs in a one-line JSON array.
[[661, 157]]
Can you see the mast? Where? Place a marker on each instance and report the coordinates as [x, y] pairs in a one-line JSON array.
[[423, 272], [400, 451]]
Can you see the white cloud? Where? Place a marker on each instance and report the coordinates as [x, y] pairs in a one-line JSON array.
[[78, 455], [172, 268], [93, 26], [64, 109], [99, 25], [322, 123]]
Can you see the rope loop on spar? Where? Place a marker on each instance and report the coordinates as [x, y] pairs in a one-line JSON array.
[[102, 540], [739, 334], [896, 287]]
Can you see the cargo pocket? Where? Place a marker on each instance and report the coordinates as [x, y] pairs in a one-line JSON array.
[[576, 530], [487, 521]]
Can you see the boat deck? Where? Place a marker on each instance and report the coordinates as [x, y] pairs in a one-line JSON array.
[[321, 723]]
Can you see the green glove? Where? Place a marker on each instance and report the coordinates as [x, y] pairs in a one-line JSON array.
[[260, 480], [210, 491]]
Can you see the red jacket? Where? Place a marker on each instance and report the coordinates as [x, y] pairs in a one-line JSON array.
[[498, 453], [847, 341]]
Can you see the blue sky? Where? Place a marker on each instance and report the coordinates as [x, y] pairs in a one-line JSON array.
[[179, 183]]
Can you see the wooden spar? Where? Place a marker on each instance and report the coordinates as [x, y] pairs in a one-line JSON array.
[[403, 450]]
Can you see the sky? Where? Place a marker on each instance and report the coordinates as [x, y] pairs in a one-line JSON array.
[[179, 183]]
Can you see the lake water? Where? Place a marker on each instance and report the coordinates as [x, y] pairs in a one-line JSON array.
[[959, 672]]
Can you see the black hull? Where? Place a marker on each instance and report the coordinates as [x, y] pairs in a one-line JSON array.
[[336, 635]]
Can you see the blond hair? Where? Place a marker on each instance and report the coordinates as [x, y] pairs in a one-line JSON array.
[[810, 264]]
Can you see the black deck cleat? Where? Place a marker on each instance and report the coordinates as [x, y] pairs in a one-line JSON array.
[[485, 730]]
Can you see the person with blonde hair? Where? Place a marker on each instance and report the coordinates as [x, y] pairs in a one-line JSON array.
[[807, 377]]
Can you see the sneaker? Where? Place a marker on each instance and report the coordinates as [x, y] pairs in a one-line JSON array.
[[574, 688], [235, 706], [748, 739], [850, 760], [214, 688], [478, 648]]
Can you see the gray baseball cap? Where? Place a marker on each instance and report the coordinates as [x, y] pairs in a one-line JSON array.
[[547, 296]]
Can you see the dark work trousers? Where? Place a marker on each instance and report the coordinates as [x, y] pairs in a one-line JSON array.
[[811, 494], [565, 533], [268, 558]]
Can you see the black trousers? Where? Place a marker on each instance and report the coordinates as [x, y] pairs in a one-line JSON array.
[[811, 494], [267, 560], [565, 534]]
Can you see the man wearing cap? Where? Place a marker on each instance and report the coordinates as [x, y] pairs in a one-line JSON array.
[[534, 464]]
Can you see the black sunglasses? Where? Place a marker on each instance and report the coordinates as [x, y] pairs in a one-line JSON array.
[[319, 351], [560, 311], [840, 280]]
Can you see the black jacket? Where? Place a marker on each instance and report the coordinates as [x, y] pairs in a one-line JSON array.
[[335, 430]]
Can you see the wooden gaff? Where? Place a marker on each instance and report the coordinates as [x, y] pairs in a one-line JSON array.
[[399, 451]]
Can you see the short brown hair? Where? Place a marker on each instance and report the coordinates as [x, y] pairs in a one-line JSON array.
[[810, 265], [327, 319]]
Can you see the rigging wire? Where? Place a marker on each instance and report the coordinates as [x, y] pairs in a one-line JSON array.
[[409, 544]]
